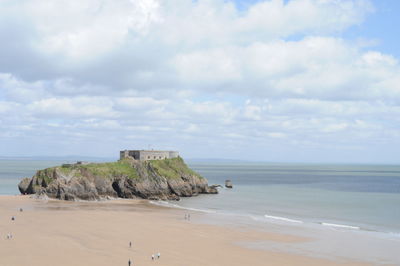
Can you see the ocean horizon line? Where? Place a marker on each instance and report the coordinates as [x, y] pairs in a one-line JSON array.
[[195, 160]]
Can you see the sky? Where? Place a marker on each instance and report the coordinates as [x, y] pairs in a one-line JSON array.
[[273, 80]]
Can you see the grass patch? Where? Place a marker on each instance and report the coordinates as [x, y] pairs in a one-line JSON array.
[[172, 168], [66, 170], [44, 175], [110, 170]]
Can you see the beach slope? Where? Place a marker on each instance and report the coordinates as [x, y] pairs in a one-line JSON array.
[[98, 233]]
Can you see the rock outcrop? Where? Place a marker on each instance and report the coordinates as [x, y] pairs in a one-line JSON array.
[[167, 179], [228, 184]]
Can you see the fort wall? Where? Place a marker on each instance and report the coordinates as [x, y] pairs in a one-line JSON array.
[[144, 155]]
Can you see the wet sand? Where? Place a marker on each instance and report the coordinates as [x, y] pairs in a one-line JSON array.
[[98, 233]]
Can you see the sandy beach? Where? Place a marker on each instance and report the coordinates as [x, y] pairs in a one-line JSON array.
[[98, 233]]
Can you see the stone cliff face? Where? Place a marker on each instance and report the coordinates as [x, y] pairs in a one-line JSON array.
[[167, 179]]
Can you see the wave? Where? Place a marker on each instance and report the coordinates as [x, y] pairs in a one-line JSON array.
[[341, 226], [282, 219], [272, 219], [276, 219], [176, 206]]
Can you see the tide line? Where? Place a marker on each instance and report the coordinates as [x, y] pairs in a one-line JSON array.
[[341, 226], [282, 219]]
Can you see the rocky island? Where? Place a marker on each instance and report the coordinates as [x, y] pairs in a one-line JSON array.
[[156, 178]]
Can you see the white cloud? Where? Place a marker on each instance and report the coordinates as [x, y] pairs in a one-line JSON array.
[[334, 127], [21, 91], [278, 18], [314, 67], [139, 103], [88, 28], [6, 107], [72, 107], [376, 59], [208, 67], [276, 135], [194, 75]]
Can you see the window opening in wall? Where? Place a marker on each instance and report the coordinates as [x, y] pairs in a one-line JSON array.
[[148, 157]]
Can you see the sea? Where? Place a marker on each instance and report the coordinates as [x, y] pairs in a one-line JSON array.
[[365, 197], [356, 205]]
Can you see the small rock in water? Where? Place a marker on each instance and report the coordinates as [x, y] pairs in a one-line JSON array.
[[228, 183]]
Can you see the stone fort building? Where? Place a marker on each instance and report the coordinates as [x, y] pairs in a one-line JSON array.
[[144, 155]]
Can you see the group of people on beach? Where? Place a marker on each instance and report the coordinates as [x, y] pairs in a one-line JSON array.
[[9, 235], [158, 255], [153, 256]]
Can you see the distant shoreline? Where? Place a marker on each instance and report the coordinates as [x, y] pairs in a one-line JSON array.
[[74, 158]]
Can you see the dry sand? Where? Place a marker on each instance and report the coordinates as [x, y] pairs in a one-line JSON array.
[[71, 233]]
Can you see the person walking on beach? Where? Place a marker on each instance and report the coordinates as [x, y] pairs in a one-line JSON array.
[[130, 244], [158, 255], [129, 262], [152, 257]]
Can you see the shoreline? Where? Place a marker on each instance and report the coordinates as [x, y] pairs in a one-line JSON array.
[[330, 241], [97, 233]]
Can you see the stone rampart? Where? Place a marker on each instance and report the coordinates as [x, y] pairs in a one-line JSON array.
[[144, 155]]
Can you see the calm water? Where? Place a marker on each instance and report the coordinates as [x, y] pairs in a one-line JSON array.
[[12, 171], [365, 197]]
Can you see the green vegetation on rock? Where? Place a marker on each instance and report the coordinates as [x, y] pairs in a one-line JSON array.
[[66, 169], [70, 170], [172, 168], [43, 175], [107, 170], [110, 170], [167, 179]]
